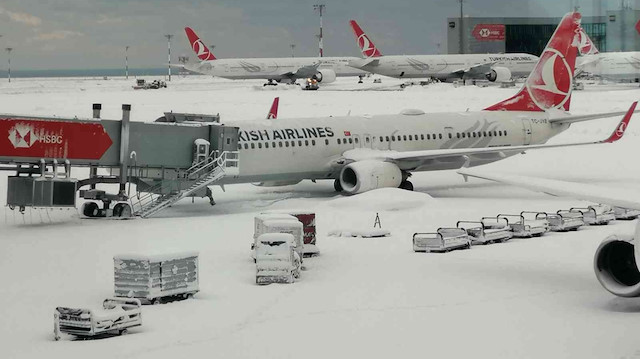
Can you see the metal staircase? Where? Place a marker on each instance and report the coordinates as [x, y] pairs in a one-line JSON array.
[[204, 174]]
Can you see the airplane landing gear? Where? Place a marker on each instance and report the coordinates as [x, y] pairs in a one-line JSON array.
[[360, 79], [270, 82], [210, 195], [406, 185], [337, 186]]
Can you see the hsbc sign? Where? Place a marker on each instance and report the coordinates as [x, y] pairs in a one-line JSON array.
[[23, 135], [489, 32]]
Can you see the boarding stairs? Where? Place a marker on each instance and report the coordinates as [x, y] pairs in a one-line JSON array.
[[204, 173]]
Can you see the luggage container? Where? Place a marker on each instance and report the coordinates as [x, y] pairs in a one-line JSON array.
[[155, 279], [308, 220], [563, 221], [116, 316], [526, 224], [625, 214], [488, 230], [276, 259], [444, 240], [289, 224], [597, 215]]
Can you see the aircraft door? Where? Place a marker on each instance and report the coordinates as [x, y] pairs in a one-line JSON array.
[[367, 141], [527, 131]]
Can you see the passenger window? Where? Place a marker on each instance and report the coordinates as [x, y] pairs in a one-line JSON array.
[[266, 145], [410, 138], [286, 143], [434, 136], [489, 133], [246, 146], [404, 138], [253, 146], [428, 136], [463, 135], [293, 143], [338, 140], [422, 137], [457, 135], [280, 144], [484, 134], [381, 139], [350, 140], [356, 139], [306, 142], [239, 146], [505, 132], [299, 143], [366, 139], [495, 133], [326, 142], [474, 134], [313, 142], [273, 144], [387, 138], [259, 145], [393, 138]]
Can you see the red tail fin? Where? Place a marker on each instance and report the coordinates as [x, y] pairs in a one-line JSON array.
[[622, 126], [550, 83], [198, 46], [273, 112], [367, 46], [586, 45]]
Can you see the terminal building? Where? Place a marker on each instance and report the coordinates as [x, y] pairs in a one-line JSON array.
[[618, 30]]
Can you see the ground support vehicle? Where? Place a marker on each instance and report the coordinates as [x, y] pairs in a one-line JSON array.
[[596, 215], [116, 316], [443, 240], [487, 230], [156, 279], [276, 259], [563, 221]]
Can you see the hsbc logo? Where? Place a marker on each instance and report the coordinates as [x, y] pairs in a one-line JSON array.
[[484, 32], [24, 136]]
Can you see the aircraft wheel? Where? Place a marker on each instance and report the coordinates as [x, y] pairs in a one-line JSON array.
[[121, 210], [90, 209], [337, 186], [406, 185], [124, 332]]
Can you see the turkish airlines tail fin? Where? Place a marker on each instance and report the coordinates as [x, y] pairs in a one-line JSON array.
[[587, 47], [273, 112], [201, 50], [550, 83], [367, 46]]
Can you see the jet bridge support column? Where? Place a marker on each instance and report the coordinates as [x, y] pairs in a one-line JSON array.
[[124, 146], [93, 170]]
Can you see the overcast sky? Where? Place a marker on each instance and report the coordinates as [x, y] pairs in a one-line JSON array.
[[77, 34]]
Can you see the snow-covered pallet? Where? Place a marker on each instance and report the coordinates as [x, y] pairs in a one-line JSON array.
[[527, 224], [364, 233], [154, 278], [488, 230], [116, 316], [596, 215], [625, 214], [444, 240], [563, 221]]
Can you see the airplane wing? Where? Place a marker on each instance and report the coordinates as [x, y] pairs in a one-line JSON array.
[[303, 72], [410, 160], [599, 194], [479, 69]]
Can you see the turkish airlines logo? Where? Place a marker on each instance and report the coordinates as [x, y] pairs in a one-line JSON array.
[[585, 43], [366, 47], [550, 85], [199, 48], [23, 136]]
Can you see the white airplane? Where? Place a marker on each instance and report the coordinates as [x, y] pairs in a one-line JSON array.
[[617, 66], [494, 67], [369, 152], [288, 69], [615, 261]]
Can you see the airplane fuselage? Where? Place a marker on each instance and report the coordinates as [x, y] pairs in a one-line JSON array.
[[273, 68], [289, 150], [445, 67], [612, 65]]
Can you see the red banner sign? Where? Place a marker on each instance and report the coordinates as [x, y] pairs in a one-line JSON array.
[[638, 26], [72, 140], [489, 32]]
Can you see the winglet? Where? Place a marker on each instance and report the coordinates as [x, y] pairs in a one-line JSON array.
[[622, 126], [273, 112], [201, 50], [367, 47]]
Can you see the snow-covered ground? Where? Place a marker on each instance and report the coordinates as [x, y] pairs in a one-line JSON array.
[[361, 298]]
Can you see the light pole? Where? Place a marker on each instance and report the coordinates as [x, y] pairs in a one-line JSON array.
[[126, 61], [320, 9], [461, 28], [292, 46], [9, 62], [168, 36]]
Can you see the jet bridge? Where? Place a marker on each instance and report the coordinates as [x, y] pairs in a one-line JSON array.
[[177, 156]]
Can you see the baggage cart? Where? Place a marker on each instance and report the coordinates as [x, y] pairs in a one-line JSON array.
[[287, 224], [157, 278], [625, 214], [115, 317], [276, 259], [308, 220], [564, 221], [596, 215], [444, 240], [525, 224], [488, 230]]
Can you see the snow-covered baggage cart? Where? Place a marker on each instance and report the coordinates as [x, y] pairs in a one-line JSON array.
[[525, 224], [276, 259], [563, 221], [115, 317], [625, 214], [443, 240], [600, 214], [488, 230], [308, 220], [288, 224], [156, 278]]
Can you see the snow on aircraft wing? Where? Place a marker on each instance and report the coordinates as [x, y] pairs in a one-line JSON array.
[[303, 72], [599, 194], [411, 160], [479, 68]]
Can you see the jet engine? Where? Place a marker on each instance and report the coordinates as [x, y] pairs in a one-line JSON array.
[[616, 266], [325, 76], [499, 74], [363, 176]]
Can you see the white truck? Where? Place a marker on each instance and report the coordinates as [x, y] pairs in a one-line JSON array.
[[596, 215], [276, 259], [443, 240], [563, 221], [526, 224], [278, 223], [115, 317], [487, 230]]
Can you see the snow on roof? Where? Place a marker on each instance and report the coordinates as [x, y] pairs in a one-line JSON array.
[[283, 223], [156, 257], [275, 237]]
